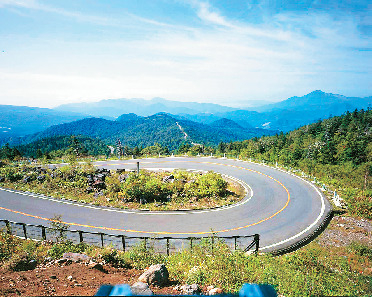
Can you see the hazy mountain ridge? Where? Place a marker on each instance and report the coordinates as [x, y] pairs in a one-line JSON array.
[[21, 120], [295, 112], [160, 128], [142, 107], [284, 116]]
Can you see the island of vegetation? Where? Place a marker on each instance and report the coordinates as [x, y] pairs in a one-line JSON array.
[[151, 190]]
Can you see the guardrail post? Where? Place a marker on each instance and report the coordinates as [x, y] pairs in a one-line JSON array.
[[102, 239], [257, 241], [81, 236], [145, 241], [123, 242], [8, 228], [43, 233], [24, 230], [191, 243], [212, 243], [167, 246], [235, 242]]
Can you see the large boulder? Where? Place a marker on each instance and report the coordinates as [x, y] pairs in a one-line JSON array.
[[155, 275], [141, 289]]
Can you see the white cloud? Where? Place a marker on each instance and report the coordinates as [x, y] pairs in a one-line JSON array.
[[20, 3], [205, 13], [222, 60]]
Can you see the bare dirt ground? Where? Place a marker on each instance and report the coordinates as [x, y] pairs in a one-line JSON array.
[[344, 230], [77, 279]]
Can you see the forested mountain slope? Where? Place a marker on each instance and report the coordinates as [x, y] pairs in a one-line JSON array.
[[139, 131], [337, 150]]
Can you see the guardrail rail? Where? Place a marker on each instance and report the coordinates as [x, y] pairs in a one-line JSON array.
[[164, 245]]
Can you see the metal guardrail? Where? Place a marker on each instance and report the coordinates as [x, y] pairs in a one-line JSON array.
[[163, 245]]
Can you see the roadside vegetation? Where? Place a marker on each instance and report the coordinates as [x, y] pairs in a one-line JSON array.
[[337, 151], [147, 190], [312, 271]]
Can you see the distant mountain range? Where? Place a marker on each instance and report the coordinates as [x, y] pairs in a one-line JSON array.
[[160, 128], [283, 116], [18, 121], [289, 114], [112, 108], [205, 122]]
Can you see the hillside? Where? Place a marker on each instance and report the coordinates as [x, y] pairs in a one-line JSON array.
[[57, 145], [134, 130], [337, 150], [18, 121], [289, 114]]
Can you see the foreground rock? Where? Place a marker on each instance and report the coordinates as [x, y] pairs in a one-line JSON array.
[[142, 289], [190, 289], [155, 275], [25, 264], [76, 257], [214, 291]]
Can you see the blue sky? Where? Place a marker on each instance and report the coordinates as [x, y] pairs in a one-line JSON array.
[[227, 52]]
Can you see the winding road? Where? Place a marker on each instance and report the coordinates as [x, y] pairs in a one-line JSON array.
[[281, 207]]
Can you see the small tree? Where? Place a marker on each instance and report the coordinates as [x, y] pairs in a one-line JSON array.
[[59, 228]]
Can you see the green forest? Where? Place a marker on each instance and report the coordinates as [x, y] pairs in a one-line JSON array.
[[338, 151]]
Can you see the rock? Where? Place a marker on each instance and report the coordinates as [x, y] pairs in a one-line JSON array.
[[25, 264], [140, 288], [97, 266], [210, 288], [76, 257], [100, 177], [70, 277], [60, 261], [215, 291], [40, 178], [156, 274], [191, 289], [27, 179], [53, 277], [98, 184], [96, 195], [89, 190], [168, 178]]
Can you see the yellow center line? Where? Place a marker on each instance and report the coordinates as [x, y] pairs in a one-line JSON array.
[[173, 233]]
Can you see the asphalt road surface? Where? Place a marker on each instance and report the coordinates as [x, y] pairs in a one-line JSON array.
[[282, 208]]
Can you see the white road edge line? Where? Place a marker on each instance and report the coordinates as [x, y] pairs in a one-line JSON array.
[[310, 226]]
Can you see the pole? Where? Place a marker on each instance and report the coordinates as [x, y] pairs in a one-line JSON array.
[[81, 236], [137, 168]]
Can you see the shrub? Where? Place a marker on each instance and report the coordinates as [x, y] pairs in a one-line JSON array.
[[58, 249]]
